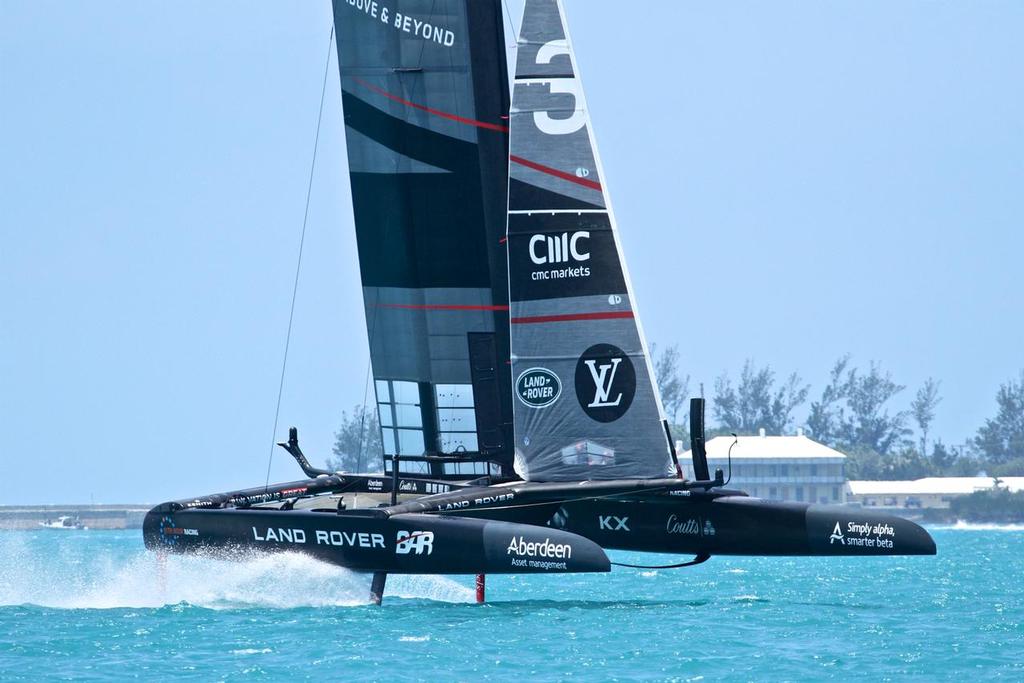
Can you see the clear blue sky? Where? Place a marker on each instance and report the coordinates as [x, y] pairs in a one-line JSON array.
[[835, 177]]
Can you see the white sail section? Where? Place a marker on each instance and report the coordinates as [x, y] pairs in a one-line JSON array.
[[586, 406]]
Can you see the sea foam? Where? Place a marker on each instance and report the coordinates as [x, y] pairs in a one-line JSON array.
[[105, 580]]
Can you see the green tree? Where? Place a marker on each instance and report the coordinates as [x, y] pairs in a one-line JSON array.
[[996, 504], [852, 411], [923, 409], [755, 402], [942, 458], [826, 415], [1001, 438], [357, 442], [674, 387]]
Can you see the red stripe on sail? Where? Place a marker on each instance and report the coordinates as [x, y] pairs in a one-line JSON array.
[[445, 307], [555, 172], [435, 112], [568, 317]]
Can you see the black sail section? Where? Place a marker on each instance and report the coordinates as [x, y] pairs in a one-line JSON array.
[[426, 113], [585, 406]]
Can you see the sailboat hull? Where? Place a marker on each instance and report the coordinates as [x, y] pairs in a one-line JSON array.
[[739, 525], [365, 540]]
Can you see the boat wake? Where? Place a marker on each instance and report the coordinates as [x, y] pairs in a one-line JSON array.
[[139, 579]]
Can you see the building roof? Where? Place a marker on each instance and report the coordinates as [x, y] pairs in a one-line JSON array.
[[764, 447], [932, 486]]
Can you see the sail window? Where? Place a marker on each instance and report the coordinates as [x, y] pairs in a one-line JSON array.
[[401, 420], [456, 419], [588, 453], [464, 468]]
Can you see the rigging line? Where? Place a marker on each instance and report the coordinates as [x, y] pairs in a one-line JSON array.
[[298, 265], [362, 417]]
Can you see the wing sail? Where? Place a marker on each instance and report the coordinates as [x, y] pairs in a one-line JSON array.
[[426, 129]]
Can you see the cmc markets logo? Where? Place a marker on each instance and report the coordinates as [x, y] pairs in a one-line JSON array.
[[538, 387], [545, 249], [605, 382]]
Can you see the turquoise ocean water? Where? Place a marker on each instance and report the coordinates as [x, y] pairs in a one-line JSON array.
[[94, 605]]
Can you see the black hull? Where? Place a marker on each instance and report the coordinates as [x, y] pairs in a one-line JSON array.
[[738, 525], [369, 542], [529, 527]]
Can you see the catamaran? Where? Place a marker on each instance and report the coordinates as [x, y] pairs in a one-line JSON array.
[[522, 428]]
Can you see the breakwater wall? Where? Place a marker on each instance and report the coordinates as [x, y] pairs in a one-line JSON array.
[[92, 516]]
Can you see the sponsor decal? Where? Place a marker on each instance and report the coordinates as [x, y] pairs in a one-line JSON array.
[[538, 554], [864, 535], [694, 526], [170, 532], [483, 500], [374, 484], [605, 382], [406, 485], [280, 535], [351, 539], [538, 387], [563, 251], [613, 523], [380, 11], [291, 492], [433, 487], [414, 543]]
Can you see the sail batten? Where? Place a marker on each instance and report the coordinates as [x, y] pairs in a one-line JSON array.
[[586, 406]]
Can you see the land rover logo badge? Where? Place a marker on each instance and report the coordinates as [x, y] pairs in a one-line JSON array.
[[605, 382], [538, 387]]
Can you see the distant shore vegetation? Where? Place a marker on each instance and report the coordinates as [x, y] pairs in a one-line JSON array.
[[858, 412], [993, 506], [885, 431]]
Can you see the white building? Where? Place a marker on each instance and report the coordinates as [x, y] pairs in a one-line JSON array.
[[778, 467], [930, 492]]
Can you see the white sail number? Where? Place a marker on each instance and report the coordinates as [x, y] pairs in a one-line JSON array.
[[567, 86]]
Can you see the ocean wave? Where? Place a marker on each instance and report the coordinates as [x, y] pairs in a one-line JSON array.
[[972, 526], [30, 576]]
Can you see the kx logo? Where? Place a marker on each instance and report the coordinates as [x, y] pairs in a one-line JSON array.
[[415, 542], [613, 523], [604, 376]]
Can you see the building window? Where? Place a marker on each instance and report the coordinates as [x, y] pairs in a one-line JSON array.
[[814, 470], [835, 493], [800, 494], [773, 492], [456, 419], [784, 470]]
